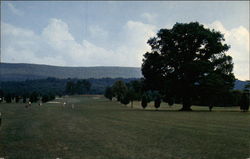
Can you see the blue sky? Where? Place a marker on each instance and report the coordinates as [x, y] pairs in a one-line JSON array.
[[84, 33]]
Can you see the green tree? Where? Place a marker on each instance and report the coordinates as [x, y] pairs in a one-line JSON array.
[[24, 99], [157, 101], [45, 98], [33, 97], [125, 99], [245, 101], [144, 101], [183, 58], [70, 87], [17, 98], [108, 93], [119, 89], [131, 94], [8, 98], [82, 86]]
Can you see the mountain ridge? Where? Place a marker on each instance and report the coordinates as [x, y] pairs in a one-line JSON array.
[[23, 71]]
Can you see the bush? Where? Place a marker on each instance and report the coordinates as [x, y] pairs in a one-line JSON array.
[[45, 98], [125, 99], [33, 97], [244, 103], [8, 98], [108, 93], [144, 101], [24, 99], [157, 101]]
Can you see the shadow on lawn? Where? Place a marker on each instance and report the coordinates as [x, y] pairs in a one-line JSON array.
[[196, 111]]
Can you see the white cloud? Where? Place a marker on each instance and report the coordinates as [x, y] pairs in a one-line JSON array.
[[238, 39], [150, 17], [136, 35], [97, 32], [56, 46], [14, 9]]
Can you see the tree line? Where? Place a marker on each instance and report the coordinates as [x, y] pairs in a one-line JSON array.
[[136, 90], [26, 95]]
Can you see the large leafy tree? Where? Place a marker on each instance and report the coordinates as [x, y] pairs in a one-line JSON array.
[[186, 59]]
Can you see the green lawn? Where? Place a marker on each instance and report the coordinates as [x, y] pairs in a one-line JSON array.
[[99, 129]]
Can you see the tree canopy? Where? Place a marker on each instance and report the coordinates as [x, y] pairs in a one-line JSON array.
[[186, 59]]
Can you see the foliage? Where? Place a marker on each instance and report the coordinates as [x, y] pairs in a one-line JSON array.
[[55, 86], [78, 87], [125, 99], [17, 98], [245, 101], [157, 101], [45, 98], [33, 97], [8, 98], [185, 59], [144, 101], [119, 89], [24, 99], [108, 93]]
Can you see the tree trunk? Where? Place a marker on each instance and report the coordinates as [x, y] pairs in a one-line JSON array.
[[186, 106]]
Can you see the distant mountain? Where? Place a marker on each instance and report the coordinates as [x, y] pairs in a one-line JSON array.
[[20, 72], [239, 85]]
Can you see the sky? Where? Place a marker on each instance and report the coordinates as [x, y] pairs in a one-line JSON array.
[[112, 33]]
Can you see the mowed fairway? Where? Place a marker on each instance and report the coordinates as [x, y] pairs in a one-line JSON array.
[[99, 129]]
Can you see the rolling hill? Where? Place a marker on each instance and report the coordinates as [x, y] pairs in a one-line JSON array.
[[20, 72]]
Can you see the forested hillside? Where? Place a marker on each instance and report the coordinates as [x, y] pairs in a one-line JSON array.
[[21, 72]]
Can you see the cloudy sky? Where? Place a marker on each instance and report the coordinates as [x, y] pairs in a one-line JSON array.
[[83, 33]]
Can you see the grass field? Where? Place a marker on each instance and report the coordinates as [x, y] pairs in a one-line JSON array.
[[99, 129]]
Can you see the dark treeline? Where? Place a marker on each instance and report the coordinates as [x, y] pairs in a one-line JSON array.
[[50, 87], [137, 90]]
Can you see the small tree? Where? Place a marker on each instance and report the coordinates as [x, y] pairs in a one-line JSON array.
[[24, 99], [144, 101], [108, 93], [244, 104], [33, 97], [131, 96], [45, 98], [17, 98], [51, 96], [125, 99], [8, 98], [157, 101], [119, 89]]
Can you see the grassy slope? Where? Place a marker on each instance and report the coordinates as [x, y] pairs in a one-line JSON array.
[[97, 128]]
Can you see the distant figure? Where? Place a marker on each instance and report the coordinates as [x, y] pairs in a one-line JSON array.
[[210, 108], [73, 106]]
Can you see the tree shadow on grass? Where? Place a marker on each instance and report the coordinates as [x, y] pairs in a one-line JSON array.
[[193, 111]]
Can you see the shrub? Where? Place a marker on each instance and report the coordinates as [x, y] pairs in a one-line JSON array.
[[157, 101], [144, 101]]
